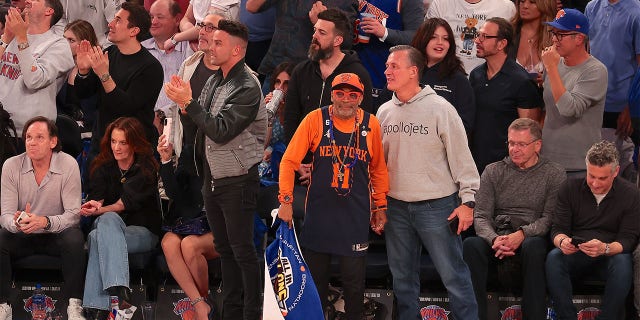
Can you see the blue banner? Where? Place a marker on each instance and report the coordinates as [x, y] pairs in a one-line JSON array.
[[289, 291]]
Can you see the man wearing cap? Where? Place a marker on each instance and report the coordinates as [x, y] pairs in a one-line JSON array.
[[348, 170], [574, 93]]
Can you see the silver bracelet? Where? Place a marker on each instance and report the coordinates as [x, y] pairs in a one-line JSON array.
[[196, 300]]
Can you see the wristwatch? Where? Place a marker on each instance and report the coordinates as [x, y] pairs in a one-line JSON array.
[[3, 44], [607, 249], [105, 77], [173, 41], [287, 199], [48, 226], [470, 204], [22, 46]]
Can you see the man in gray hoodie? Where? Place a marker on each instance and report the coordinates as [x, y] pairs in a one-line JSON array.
[[515, 201], [430, 170]]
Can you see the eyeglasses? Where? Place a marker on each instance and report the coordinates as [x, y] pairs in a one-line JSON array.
[[483, 36], [521, 145], [207, 27], [353, 95], [559, 36]]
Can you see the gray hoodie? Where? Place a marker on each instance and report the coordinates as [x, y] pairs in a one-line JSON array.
[[425, 146]]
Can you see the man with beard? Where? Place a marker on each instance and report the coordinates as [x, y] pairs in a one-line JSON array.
[[503, 91], [294, 21], [309, 84], [347, 159]]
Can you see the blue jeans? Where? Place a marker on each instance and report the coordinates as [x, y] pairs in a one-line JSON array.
[[615, 270], [109, 242], [410, 226]]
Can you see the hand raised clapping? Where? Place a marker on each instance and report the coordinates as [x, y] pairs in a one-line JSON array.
[[91, 58]]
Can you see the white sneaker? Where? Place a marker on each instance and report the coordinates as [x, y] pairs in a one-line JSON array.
[[74, 310], [5, 312]]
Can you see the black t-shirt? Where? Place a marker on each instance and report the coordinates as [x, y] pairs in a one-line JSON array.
[[497, 104]]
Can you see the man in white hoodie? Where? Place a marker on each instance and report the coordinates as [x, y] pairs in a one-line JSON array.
[[430, 171], [33, 59]]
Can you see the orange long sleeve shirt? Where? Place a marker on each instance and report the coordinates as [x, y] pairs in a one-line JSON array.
[[307, 138]]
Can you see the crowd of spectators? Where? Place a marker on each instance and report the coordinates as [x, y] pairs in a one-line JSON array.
[[202, 97]]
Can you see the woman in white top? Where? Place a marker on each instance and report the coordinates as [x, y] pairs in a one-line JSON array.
[[531, 34]]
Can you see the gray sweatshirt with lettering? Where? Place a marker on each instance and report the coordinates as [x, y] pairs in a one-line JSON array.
[[425, 146]]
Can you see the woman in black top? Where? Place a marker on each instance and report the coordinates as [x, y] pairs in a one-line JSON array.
[[124, 198], [444, 71], [188, 243]]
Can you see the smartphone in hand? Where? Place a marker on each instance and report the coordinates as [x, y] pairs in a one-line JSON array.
[[166, 130], [21, 216], [577, 240]]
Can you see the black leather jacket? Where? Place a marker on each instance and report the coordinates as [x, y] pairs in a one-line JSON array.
[[231, 121]]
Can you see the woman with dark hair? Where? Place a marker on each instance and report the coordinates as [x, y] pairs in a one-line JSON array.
[[125, 201], [280, 81], [444, 71], [67, 100], [531, 34]]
